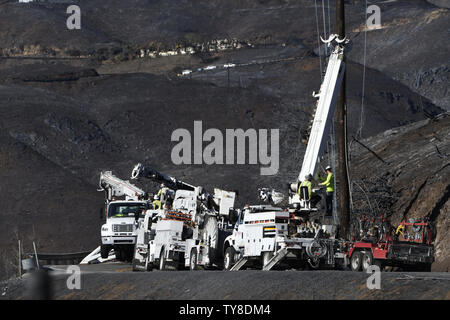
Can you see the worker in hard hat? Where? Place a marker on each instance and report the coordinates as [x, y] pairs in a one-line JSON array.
[[160, 191], [156, 202], [400, 230], [328, 183], [313, 198]]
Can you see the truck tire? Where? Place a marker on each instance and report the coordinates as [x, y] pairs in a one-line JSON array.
[[130, 254], [162, 259], [104, 251], [211, 236], [426, 267], [135, 264], [228, 259], [366, 260], [193, 260], [355, 261], [148, 264], [119, 254]]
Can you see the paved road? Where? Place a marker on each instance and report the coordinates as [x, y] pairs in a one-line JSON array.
[[117, 281]]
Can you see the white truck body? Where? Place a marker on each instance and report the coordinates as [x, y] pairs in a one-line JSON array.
[[181, 232], [159, 241], [261, 235], [260, 232]]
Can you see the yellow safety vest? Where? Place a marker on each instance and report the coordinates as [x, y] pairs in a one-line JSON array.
[[156, 204], [308, 184], [328, 182]]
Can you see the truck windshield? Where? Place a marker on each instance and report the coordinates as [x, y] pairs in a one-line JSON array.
[[120, 210]]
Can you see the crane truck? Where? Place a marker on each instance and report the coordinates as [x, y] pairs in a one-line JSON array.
[[267, 236], [119, 231], [188, 231]]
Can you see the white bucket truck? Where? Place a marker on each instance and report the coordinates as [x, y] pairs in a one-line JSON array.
[[188, 231]]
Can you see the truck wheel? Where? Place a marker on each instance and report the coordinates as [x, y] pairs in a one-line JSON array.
[[426, 267], [162, 259], [148, 265], [104, 251], [129, 255], [119, 254], [355, 261], [134, 265], [367, 260], [228, 260], [210, 235], [193, 260]]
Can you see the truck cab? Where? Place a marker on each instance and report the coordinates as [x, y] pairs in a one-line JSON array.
[[119, 231]]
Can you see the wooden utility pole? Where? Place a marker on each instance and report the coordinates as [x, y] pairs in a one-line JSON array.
[[341, 172]]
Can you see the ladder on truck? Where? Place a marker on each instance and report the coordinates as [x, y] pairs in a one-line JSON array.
[[279, 255], [239, 264]]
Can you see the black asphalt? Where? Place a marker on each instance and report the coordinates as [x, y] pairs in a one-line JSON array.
[[117, 281]]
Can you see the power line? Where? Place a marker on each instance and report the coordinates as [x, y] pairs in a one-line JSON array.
[[329, 18], [324, 26], [318, 38], [361, 117]]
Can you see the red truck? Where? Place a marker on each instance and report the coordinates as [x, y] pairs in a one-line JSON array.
[[408, 247]]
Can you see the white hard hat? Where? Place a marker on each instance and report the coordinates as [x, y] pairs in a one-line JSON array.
[[328, 168]]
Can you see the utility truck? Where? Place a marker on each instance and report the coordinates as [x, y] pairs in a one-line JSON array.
[[188, 231], [261, 239], [409, 246], [118, 233], [267, 236]]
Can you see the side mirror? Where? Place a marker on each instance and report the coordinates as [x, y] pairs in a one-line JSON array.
[[136, 215], [102, 213]]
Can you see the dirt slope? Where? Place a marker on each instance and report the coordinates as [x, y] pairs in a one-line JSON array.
[[417, 163]]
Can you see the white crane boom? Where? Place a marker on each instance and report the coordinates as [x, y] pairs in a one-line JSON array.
[[325, 108], [116, 187]]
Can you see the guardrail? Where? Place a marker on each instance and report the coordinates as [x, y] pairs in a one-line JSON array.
[[59, 258]]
